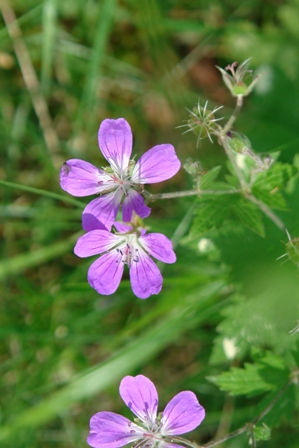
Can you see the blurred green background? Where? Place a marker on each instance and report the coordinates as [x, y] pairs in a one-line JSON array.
[[66, 66]]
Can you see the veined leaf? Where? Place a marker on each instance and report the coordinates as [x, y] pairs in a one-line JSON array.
[[271, 198], [275, 177], [208, 178], [249, 215], [266, 375], [211, 212]]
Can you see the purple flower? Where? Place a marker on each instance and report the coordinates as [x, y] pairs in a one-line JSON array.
[[116, 184], [129, 245], [182, 414]]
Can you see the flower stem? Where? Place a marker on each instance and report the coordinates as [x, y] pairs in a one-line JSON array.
[[180, 194], [223, 140], [234, 116]]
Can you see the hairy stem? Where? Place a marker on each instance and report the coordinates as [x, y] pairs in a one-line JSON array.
[[234, 116], [180, 194], [223, 141]]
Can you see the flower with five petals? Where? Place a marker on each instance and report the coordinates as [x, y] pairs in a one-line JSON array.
[[118, 183], [182, 414], [130, 245]]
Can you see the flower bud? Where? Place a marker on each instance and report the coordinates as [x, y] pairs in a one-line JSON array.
[[239, 143], [237, 81]]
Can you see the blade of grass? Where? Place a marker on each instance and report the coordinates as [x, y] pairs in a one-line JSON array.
[[30, 79], [97, 56], [48, 45], [48, 194], [15, 265]]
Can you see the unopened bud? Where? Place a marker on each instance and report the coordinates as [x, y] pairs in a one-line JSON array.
[[239, 143]]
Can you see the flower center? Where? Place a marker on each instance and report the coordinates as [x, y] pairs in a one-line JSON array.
[[128, 252]]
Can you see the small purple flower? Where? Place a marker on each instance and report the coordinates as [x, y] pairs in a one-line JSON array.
[[116, 184], [129, 245], [182, 414]]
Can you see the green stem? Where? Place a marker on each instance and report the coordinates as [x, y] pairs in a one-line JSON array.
[[223, 141], [180, 194], [234, 116]]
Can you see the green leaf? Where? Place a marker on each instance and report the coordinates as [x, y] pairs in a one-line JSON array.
[[267, 185], [268, 374], [207, 179], [249, 215], [275, 177], [211, 212], [262, 320], [239, 381], [272, 199], [284, 408]]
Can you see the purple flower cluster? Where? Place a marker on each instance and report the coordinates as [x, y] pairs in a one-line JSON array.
[[182, 414], [121, 185]]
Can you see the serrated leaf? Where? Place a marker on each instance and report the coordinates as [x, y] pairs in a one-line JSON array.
[[211, 212], [275, 177], [208, 178], [262, 432], [249, 215], [239, 381], [245, 381], [268, 374], [271, 198]]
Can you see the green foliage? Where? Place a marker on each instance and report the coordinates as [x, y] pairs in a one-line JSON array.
[[268, 374], [269, 184], [214, 210]]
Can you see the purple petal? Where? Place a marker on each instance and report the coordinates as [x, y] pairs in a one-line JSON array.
[[146, 279], [104, 275], [158, 246], [134, 202], [115, 141], [80, 178], [95, 242], [182, 414], [140, 395], [157, 164], [90, 222], [105, 208], [121, 227], [110, 430]]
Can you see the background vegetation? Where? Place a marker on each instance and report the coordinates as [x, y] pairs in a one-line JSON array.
[[66, 66]]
